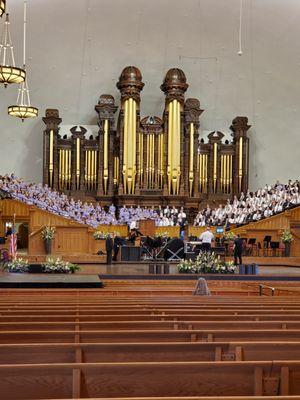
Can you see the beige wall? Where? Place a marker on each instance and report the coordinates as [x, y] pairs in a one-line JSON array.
[[77, 50]]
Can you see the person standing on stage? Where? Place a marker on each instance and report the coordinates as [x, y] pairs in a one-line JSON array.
[[109, 245], [238, 249], [206, 238]]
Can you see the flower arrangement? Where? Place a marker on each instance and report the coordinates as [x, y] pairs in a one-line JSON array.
[[48, 233], [59, 266], [206, 263], [187, 267], [287, 237], [17, 265], [100, 235], [161, 234], [228, 236]]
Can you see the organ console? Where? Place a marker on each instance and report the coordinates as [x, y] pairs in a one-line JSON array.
[[147, 160]]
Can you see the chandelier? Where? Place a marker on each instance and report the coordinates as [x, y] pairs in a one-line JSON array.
[[23, 109], [9, 73], [2, 7]]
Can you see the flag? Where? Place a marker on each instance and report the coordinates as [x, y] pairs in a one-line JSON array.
[[13, 243]]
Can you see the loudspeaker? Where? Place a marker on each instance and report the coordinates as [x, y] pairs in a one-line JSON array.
[[130, 253]]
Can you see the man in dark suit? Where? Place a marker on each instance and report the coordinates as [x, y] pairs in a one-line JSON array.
[[238, 249], [109, 245]]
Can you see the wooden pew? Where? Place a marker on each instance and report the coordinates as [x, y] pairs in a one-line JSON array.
[[148, 352], [246, 378], [137, 336]]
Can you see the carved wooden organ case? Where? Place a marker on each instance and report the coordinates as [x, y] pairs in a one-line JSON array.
[[150, 160]]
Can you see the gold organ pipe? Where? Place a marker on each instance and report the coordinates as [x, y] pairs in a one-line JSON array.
[[63, 169], [134, 144], [59, 168], [105, 155], [77, 162], [170, 129], [150, 161], [222, 173], [147, 161], [162, 160], [85, 167], [153, 156], [89, 169], [92, 168], [240, 162], [125, 145], [215, 166], [230, 173], [227, 173], [205, 172], [51, 149], [191, 174], [129, 147]]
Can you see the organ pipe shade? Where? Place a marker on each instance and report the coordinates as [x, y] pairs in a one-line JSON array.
[[129, 150], [173, 168], [105, 161], [51, 143], [2, 7]]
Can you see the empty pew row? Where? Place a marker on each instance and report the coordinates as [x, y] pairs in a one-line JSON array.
[[76, 380], [151, 317], [147, 352], [133, 336], [283, 324]]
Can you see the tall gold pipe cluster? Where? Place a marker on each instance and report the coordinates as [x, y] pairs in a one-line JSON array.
[[90, 169], [226, 173], [64, 169], [150, 161], [160, 164], [240, 173], [202, 168], [51, 146], [173, 169], [129, 155], [105, 156], [191, 159], [141, 159]]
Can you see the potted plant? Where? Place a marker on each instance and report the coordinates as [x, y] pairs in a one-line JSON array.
[[98, 235], [48, 234], [287, 239]]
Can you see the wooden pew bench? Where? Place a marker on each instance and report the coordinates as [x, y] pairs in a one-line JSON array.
[[246, 378], [148, 352], [133, 336]]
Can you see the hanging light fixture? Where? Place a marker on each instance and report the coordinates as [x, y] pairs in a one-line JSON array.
[[2, 7], [9, 73], [23, 109]]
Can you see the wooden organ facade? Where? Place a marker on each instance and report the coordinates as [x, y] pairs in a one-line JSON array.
[[147, 160]]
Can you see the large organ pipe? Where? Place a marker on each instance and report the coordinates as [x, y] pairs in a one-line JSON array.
[[174, 146], [141, 161], [63, 169], [77, 163], [230, 173], [240, 163], [170, 127], [51, 145], [162, 159], [191, 172], [92, 168], [125, 145], [205, 172], [215, 160], [105, 156], [222, 173]]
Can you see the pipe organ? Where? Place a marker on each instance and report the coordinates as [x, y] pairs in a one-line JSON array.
[[147, 160]]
